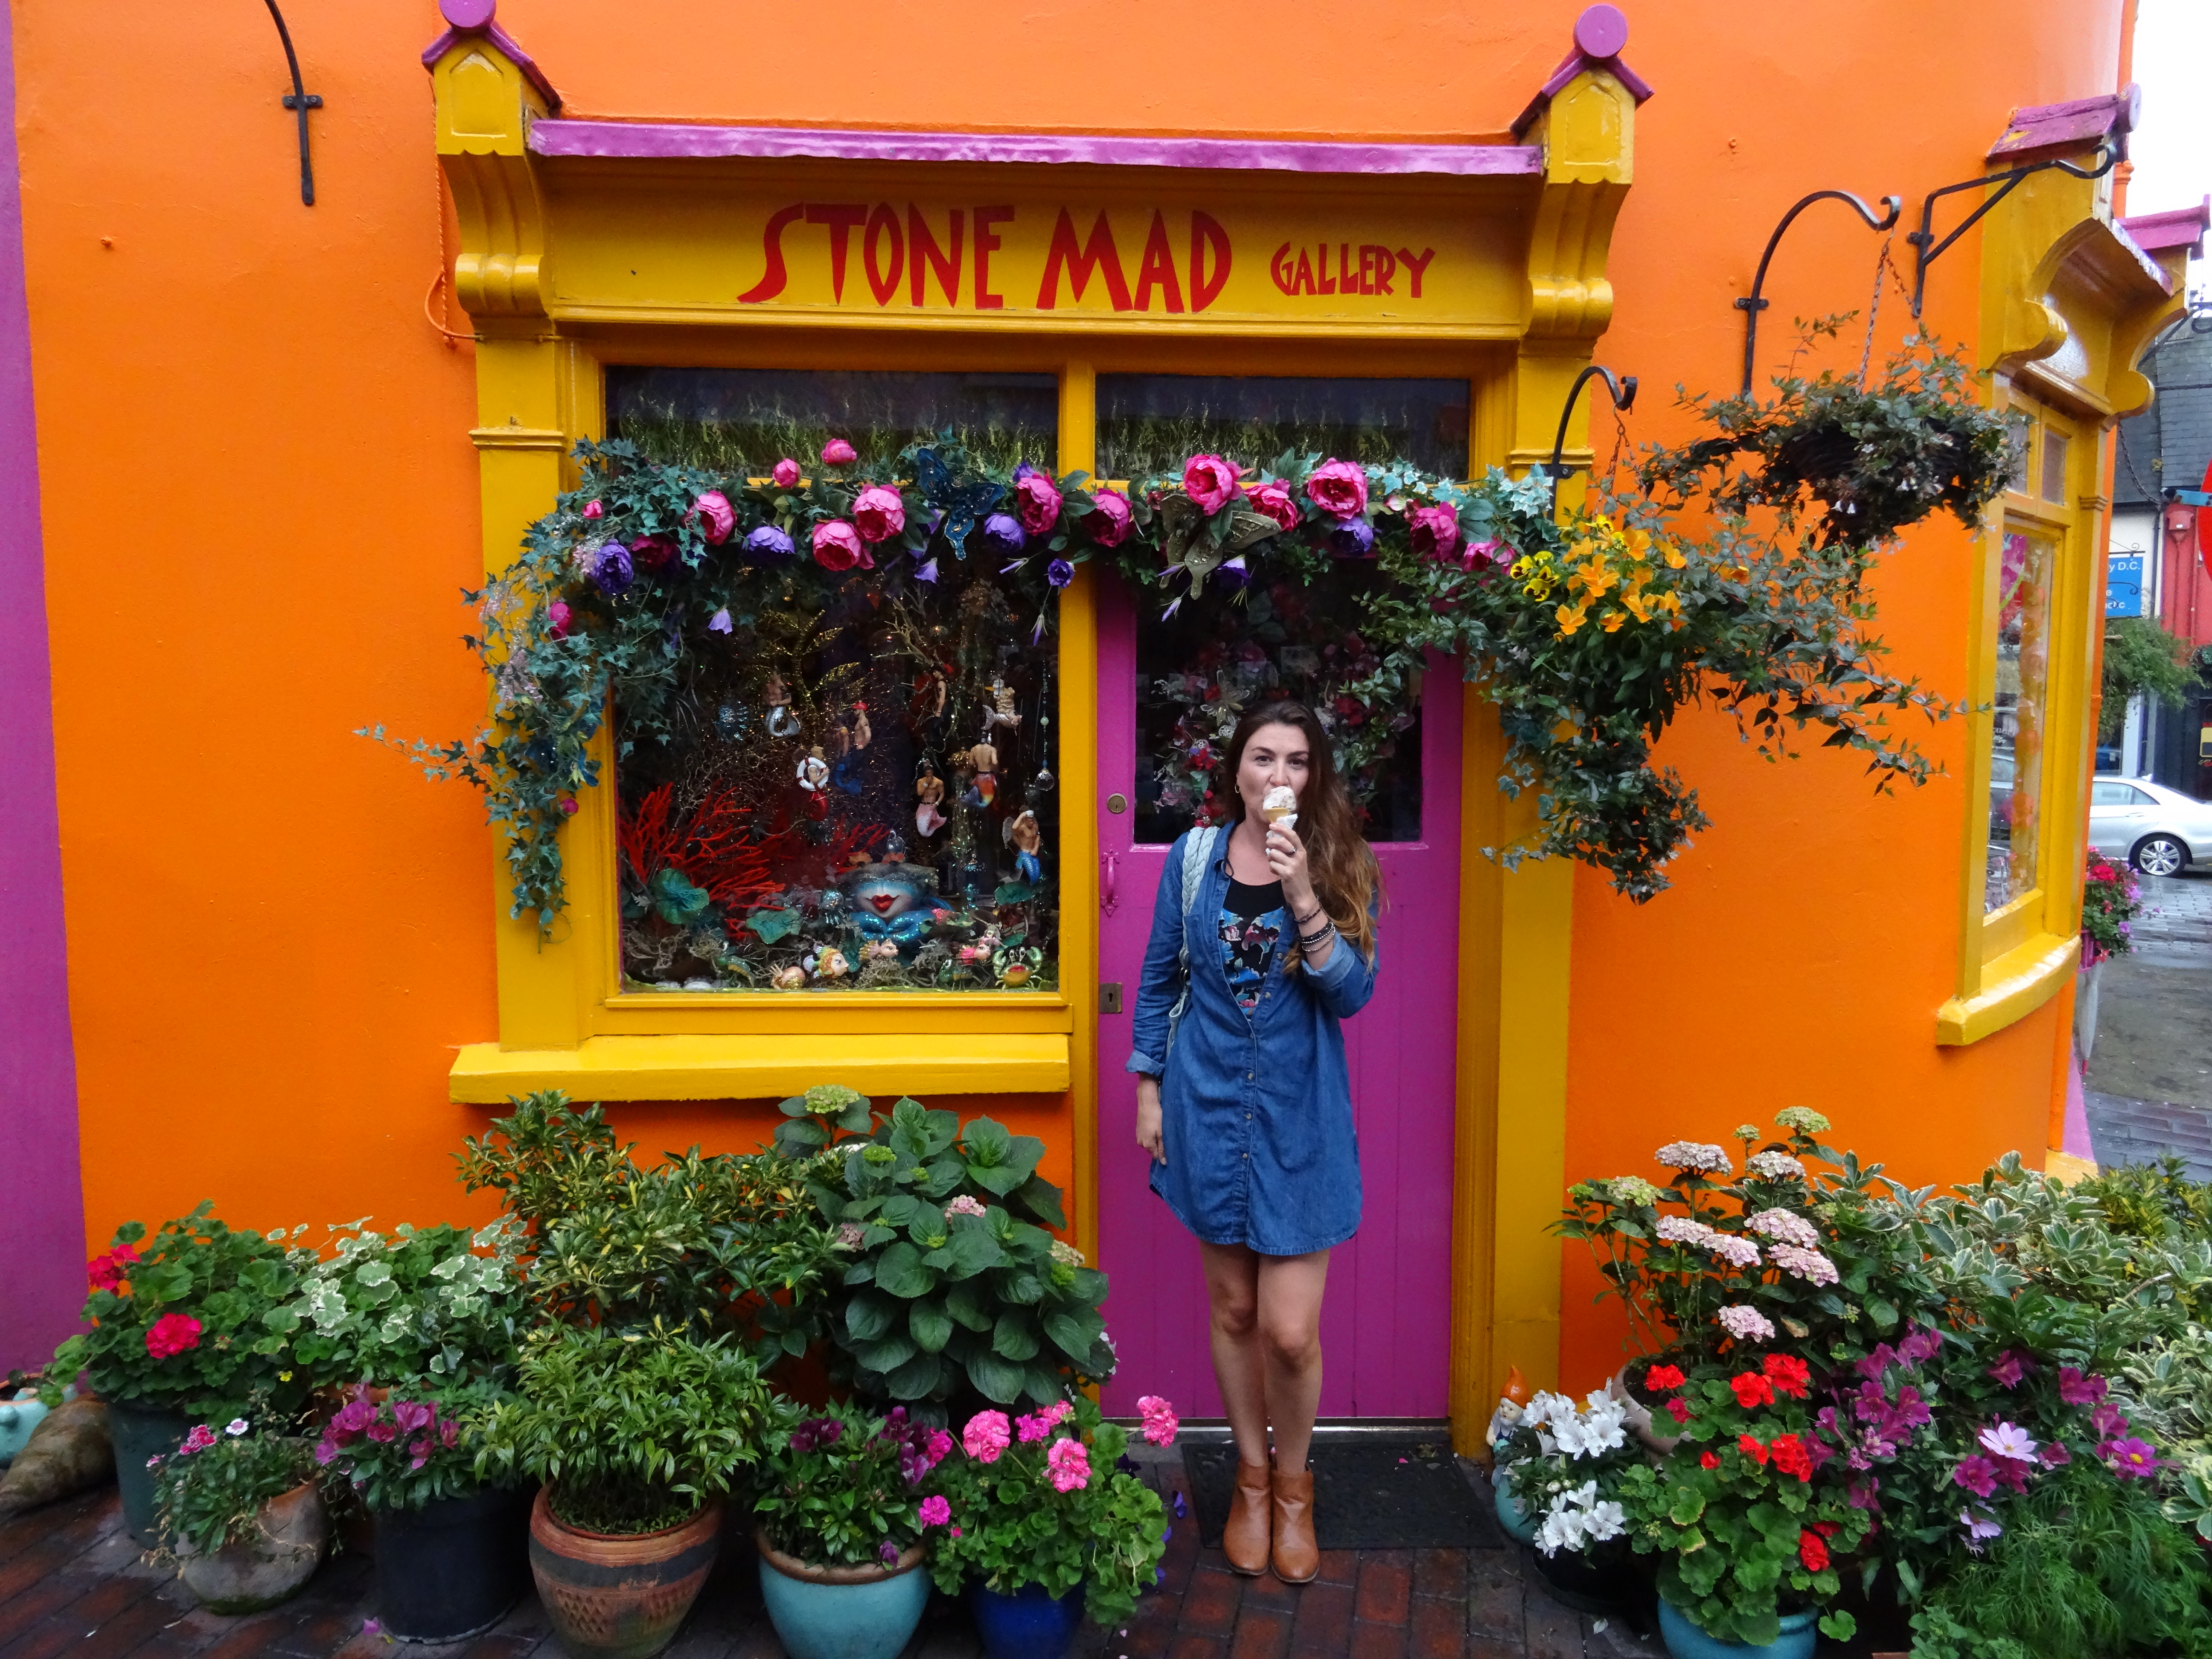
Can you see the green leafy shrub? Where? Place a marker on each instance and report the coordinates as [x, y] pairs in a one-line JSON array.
[[422, 1303], [957, 1290], [697, 1246], [408, 1449], [633, 1433], [185, 1322], [211, 1491], [845, 1488]]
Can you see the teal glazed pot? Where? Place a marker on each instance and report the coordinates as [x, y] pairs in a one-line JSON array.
[[1520, 1526], [138, 1434], [1685, 1641], [843, 1612], [1027, 1623], [18, 1417]]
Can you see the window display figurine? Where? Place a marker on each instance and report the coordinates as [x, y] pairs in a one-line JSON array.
[[851, 741], [1000, 714], [929, 790], [813, 775], [983, 787], [891, 900], [1022, 833], [782, 722]]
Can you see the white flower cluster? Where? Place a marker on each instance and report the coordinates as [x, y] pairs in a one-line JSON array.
[[1699, 1155], [1803, 1119], [1788, 1227], [1745, 1324], [1683, 1230], [1774, 1166], [1808, 1264], [1736, 1251], [1561, 1426], [1577, 1516]]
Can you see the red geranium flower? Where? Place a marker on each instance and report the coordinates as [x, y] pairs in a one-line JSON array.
[[1751, 1448], [1706, 1460], [171, 1333], [1752, 1388], [108, 1271], [1789, 1375], [1679, 1409], [1812, 1551], [1660, 1378], [1790, 1456]]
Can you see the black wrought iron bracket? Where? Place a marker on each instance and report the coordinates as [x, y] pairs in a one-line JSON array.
[[1923, 241], [1751, 304], [1621, 391], [299, 100]]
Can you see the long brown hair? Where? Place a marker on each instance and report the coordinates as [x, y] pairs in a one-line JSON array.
[[1346, 879]]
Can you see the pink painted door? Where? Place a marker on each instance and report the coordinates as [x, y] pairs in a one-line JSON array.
[[1386, 1324]]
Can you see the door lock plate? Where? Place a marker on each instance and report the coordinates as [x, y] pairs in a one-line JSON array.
[[1109, 997], [1117, 805]]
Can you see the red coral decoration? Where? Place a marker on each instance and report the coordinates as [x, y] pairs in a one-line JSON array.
[[716, 847]]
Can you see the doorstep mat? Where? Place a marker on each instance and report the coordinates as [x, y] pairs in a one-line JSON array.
[[1393, 1496]]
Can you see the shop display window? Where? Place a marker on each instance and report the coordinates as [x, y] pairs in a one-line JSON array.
[[2019, 714], [860, 791]]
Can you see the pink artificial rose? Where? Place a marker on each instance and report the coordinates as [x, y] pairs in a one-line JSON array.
[[1110, 520], [1434, 532], [1339, 487], [1275, 500], [1068, 1465], [1037, 503], [721, 519], [785, 472], [1477, 554], [1210, 482], [879, 513], [986, 1435], [837, 546], [837, 452], [652, 552], [593, 509], [558, 618]]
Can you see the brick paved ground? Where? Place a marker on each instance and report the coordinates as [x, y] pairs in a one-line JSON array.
[[2149, 1087], [72, 1587]]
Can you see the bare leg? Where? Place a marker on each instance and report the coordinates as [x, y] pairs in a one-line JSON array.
[[1240, 1366], [1289, 1292]]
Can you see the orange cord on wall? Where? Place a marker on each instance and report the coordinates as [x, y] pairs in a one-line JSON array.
[[453, 338]]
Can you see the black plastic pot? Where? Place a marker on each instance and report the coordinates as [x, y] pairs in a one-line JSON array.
[[1610, 1579], [451, 1568]]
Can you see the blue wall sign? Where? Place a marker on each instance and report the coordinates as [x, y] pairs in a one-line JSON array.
[[2124, 585]]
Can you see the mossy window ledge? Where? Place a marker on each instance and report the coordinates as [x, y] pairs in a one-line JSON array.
[[2013, 987], [767, 1066]]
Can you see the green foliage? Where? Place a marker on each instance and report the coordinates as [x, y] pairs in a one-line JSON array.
[[210, 1491], [1017, 1528], [2141, 659], [195, 1270], [414, 1448], [957, 1290], [2087, 1569], [2150, 1201], [417, 1305], [845, 1487], [696, 1246], [633, 1433]]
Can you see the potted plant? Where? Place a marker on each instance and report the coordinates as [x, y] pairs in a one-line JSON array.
[[428, 1304], [1560, 1469], [1036, 1508], [179, 1325], [637, 1440], [2111, 901], [239, 1511], [452, 1552], [845, 1500], [956, 1294]]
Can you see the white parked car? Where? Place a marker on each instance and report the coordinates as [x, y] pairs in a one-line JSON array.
[[2160, 831]]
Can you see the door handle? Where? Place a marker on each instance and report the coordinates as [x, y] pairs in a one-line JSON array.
[[1109, 901]]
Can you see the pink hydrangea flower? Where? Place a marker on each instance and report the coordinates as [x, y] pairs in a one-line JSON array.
[[1808, 1264], [965, 1205], [1068, 1465], [785, 472], [837, 452], [720, 518], [1786, 1226], [1731, 1247], [1339, 487], [879, 513], [1745, 1324], [1209, 482], [1273, 501], [1110, 520], [987, 1436], [935, 1512]]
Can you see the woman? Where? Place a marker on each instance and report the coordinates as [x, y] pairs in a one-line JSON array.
[[1243, 1100]]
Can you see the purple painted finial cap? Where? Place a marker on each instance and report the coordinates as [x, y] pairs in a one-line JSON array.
[[469, 15], [1600, 32]]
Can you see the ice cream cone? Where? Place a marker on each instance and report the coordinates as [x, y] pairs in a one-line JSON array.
[[1280, 805]]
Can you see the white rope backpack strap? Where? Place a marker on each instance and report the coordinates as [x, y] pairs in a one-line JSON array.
[[1196, 847]]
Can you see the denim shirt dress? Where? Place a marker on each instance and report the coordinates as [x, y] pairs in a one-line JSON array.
[[1256, 1107]]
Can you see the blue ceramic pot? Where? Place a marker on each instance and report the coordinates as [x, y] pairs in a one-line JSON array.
[[843, 1612], [1026, 1625], [1519, 1524], [18, 1417], [1685, 1641]]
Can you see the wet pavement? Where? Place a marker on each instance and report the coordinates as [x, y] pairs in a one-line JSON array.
[[2148, 1084]]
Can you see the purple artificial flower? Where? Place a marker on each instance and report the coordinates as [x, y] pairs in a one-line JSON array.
[[1911, 1412], [1233, 573], [2009, 1370], [1060, 573], [611, 570], [1352, 538], [719, 623], [926, 571], [1003, 535], [1976, 1473], [769, 542], [2075, 1389], [1864, 1494]]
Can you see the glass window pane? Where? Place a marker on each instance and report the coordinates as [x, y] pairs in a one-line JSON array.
[[1150, 423], [861, 791], [2017, 727], [2054, 466], [2020, 428]]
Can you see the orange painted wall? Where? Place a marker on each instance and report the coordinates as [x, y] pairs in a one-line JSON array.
[[260, 501]]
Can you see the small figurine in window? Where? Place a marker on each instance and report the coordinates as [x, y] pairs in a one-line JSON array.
[[929, 790], [782, 722], [846, 774], [999, 713], [814, 772], [983, 761], [1022, 833]]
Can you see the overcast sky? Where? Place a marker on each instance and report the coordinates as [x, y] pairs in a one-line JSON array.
[[2173, 147]]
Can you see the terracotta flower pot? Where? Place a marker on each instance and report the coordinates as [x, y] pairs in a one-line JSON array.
[[620, 1596], [843, 1612], [1638, 1415], [269, 1565]]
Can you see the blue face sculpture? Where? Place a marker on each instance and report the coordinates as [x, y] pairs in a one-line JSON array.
[[896, 902]]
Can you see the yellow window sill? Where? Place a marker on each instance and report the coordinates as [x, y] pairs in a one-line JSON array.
[[767, 1067], [2013, 986]]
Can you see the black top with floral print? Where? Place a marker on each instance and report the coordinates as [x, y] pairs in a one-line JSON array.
[[1253, 923]]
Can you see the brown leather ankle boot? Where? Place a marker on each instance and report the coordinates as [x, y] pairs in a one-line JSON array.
[[1245, 1539], [1298, 1557]]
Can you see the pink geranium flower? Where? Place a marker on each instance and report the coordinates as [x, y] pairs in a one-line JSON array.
[[173, 1334], [1068, 1465], [1033, 1428], [1160, 1421], [935, 1512], [986, 1435]]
